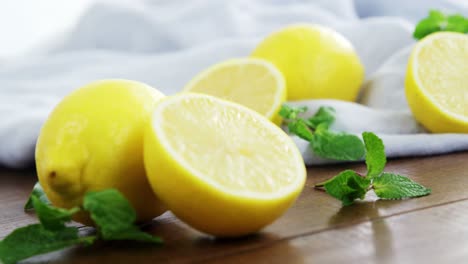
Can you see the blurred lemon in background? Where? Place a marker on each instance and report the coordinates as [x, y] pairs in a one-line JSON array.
[[93, 140], [316, 61], [254, 83], [437, 82]]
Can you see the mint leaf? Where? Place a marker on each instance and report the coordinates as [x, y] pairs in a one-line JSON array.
[[338, 146], [457, 23], [52, 218], [114, 216], [394, 186], [291, 112], [110, 210], [375, 154], [347, 187], [324, 116], [34, 239], [429, 25], [135, 234], [438, 21], [300, 128], [39, 193]]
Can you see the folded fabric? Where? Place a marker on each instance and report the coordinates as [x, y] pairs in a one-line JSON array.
[[165, 43], [401, 134]]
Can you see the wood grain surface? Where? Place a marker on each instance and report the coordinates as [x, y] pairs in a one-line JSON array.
[[317, 229]]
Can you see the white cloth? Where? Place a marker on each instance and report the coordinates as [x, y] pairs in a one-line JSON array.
[[165, 43]]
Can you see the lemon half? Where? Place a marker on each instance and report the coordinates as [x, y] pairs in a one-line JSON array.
[[254, 83], [437, 82], [220, 167]]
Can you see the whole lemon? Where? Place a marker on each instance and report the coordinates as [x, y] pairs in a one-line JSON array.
[[93, 140], [316, 61]]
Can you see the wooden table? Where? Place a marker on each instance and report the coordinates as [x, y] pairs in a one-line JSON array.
[[432, 229]]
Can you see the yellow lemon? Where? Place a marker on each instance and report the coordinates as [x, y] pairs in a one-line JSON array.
[[219, 166], [93, 140], [316, 61], [254, 83], [437, 82]]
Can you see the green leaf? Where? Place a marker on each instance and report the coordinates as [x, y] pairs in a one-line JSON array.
[[429, 25], [324, 116], [324, 143], [114, 216], [110, 210], [337, 146], [135, 234], [300, 128], [33, 240], [39, 193], [438, 21], [52, 218], [291, 112], [394, 186], [457, 23], [375, 154], [347, 187]]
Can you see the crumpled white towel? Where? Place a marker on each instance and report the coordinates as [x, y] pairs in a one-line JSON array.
[[165, 43]]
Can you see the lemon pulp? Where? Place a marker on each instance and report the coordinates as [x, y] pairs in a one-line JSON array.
[[436, 82], [219, 166], [254, 83]]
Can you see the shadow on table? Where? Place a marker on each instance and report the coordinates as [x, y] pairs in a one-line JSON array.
[[381, 233], [182, 244]]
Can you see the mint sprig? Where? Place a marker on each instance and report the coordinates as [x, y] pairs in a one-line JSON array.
[[438, 21], [111, 211], [324, 142], [350, 185]]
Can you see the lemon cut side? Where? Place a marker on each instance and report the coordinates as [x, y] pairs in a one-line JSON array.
[[437, 82], [221, 167], [254, 83]]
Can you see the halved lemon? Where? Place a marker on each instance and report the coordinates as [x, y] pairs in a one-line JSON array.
[[255, 83], [221, 167], [437, 82]]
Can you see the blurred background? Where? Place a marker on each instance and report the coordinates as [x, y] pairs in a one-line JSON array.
[[50, 47], [27, 25]]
